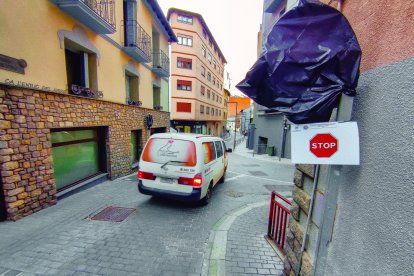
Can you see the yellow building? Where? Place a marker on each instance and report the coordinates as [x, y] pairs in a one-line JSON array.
[[197, 70], [82, 85]]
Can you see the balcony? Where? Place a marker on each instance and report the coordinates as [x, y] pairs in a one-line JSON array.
[[137, 42], [160, 64], [98, 15]]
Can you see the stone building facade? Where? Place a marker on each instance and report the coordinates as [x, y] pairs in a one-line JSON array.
[[27, 118], [303, 178], [76, 92]]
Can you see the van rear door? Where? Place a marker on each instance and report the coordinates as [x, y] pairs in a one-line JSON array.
[[169, 158]]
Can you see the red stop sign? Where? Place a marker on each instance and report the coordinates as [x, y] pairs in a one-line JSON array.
[[323, 145]]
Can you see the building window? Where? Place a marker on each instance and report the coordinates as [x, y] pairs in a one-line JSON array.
[[208, 94], [208, 76], [214, 81], [210, 42], [77, 154], [202, 109], [185, 19], [214, 64], [221, 99], [81, 69], [204, 33], [183, 85], [203, 51], [202, 90], [213, 96], [219, 112], [131, 87], [203, 71], [207, 110], [184, 63], [209, 58], [184, 107], [185, 40], [217, 98]]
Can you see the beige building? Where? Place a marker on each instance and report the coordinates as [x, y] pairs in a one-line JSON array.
[[197, 70], [80, 82]]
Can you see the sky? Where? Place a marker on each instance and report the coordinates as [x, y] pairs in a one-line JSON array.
[[234, 25]]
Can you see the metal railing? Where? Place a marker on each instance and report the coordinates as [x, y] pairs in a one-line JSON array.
[[104, 8], [278, 219], [141, 39], [161, 60]]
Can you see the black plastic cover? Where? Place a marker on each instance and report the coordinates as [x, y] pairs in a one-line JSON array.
[[311, 56]]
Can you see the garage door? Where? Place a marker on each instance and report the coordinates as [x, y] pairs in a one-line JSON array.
[[75, 156]]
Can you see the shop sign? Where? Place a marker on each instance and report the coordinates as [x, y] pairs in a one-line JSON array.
[[12, 64], [335, 143]]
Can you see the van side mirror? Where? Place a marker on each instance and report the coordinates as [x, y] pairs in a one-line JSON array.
[[229, 150]]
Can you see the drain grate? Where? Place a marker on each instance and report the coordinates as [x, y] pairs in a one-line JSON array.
[[113, 214], [258, 173]]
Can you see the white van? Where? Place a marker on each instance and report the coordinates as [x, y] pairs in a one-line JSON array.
[[182, 166]]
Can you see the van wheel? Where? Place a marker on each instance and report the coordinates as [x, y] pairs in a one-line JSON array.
[[207, 197], [223, 178]]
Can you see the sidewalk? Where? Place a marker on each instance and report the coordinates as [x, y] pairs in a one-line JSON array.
[[238, 247], [245, 152]]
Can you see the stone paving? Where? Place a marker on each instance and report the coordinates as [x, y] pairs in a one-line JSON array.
[[160, 238], [248, 253]]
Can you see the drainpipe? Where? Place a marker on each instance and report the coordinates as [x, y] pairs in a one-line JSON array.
[[305, 235]]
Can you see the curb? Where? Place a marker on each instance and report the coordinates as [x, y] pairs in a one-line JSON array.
[[215, 264]]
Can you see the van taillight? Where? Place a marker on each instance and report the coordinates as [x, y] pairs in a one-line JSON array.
[[196, 181], [146, 175]]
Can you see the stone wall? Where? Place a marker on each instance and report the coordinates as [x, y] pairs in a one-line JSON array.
[[303, 179], [26, 118]]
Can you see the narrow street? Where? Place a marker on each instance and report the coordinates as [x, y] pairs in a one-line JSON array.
[[160, 238]]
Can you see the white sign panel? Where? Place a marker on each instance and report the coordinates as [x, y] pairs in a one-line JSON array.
[[335, 143]]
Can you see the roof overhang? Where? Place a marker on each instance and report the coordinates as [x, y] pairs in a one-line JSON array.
[[159, 16]]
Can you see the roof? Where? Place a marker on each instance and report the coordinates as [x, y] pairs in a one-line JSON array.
[[200, 17], [156, 11]]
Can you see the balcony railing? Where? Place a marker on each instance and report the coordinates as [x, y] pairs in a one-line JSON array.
[[158, 107], [160, 63], [137, 41], [98, 15]]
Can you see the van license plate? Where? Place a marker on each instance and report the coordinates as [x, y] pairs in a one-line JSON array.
[[166, 180]]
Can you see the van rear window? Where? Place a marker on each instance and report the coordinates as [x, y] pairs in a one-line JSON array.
[[162, 150]]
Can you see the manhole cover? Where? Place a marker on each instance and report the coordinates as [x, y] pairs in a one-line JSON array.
[[114, 214], [251, 165], [233, 194], [258, 173]]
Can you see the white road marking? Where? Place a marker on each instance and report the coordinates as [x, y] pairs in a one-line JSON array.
[[268, 179]]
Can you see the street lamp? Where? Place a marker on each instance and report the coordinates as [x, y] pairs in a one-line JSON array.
[[235, 123]]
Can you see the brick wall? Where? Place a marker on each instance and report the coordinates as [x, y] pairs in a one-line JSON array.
[[303, 179], [26, 118]]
